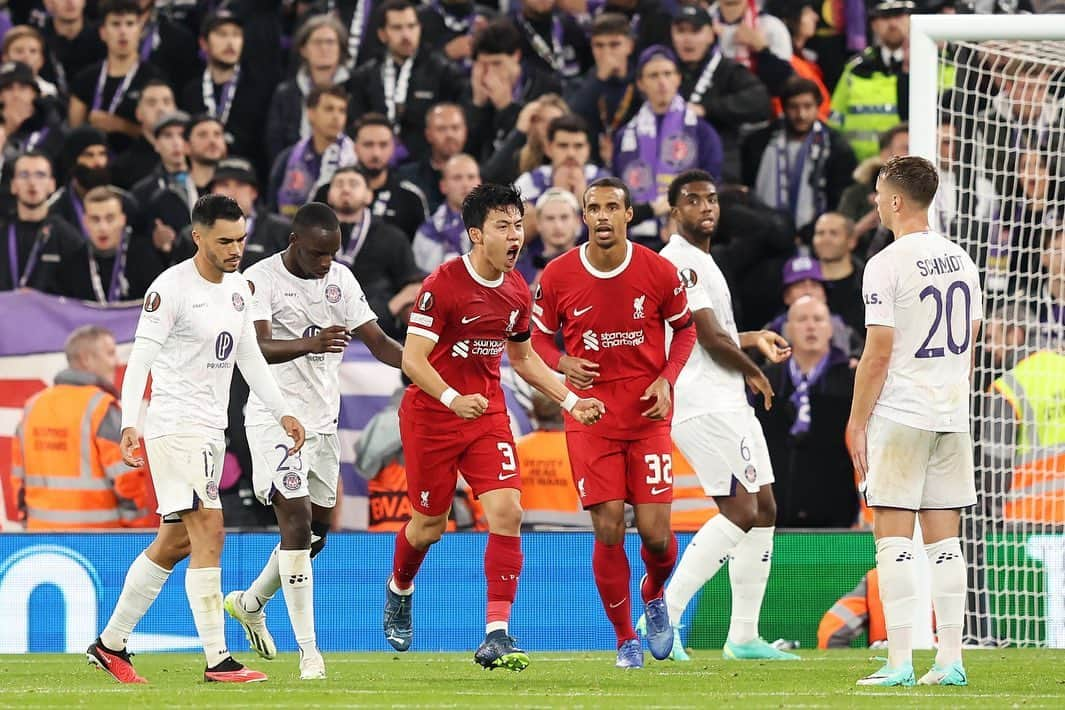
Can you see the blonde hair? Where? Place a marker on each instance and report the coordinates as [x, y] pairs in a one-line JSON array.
[[558, 194], [531, 155]]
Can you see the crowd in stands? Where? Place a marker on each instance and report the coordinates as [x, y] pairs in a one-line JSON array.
[[118, 114]]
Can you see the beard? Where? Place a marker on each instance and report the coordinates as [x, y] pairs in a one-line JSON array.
[[372, 173], [89, 178]]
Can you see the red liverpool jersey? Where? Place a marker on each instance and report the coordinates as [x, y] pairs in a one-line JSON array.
[[470, 319], [618, 320]]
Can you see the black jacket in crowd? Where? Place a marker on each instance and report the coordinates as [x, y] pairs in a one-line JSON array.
[[383, 266], [400, 203], [58, 243]]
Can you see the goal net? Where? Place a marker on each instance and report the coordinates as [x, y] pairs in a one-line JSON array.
[[996, 131]]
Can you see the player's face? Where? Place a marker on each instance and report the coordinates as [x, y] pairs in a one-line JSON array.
[[569, 149], [222, 243], [314, 251], [501, 238], [831, 240], [698, 211], [885, 199], [606, 215], [104, 221]]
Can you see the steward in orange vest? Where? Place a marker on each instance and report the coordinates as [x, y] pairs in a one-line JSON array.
[[857, 611]]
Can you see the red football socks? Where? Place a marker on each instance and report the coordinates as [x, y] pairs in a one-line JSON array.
[[659, 568], [611, 569], [502, 567], [405, 561]]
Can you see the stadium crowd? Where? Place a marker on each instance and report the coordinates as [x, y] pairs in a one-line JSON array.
[[118, 114]]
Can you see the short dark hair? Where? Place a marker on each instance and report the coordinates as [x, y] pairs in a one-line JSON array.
[[117, 7], [915, 176], [314, 96], [315, 215], [199, 119], [499, 36], [687, 178], [211, 208], [612, 182], [611, 23], [153, 83], [568, 122], [889, 135], [799, 85], [487, 197], [370, 119], [391, 6]]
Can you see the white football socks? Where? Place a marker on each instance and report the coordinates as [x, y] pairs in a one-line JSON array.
[[702, 558], [948, 597], [203, 586], [297, 582], [143, 582], [894, 564], [265, 585], [749, 574]]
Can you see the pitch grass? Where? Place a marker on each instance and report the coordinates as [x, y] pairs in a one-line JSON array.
[[998, 679]]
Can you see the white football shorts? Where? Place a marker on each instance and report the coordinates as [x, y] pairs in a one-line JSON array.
[[311, 472], [915, 469], [186, 469], [726, 448]]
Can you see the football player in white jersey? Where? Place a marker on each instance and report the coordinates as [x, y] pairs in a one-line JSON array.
[[195, 325], [306, 307], [716, 429], [909, 423]]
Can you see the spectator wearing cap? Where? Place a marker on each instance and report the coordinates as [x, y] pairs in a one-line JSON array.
[[377, 253], [873, 93], [29, 122], [406, 80], [73, 40], [798, 165], [395, 200], [648, 20], [25, 44], [228, 89], [104, 94], [801, 18], [756, 40], [168, 194], [500, 87], [300, 170], [552, 41], [445, 134], [112, 264], [321, 45], [802, 276], [722, 91], [834, 243], [558, 216], [357, 17], [137, 161], [665, 138], [167, 42], [443, 236], [607, 97], [39, 242], [448, 27]]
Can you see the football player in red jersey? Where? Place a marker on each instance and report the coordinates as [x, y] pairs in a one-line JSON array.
[[469, 311], [612, 300]]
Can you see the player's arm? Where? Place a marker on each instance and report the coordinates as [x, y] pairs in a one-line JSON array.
[[257, 374], [328, 340], [416, 366], [716, 341], [531, 368], [868, 382], [772, 345], [379, 344]]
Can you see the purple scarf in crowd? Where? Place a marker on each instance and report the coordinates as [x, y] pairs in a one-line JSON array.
[[306, 171], [650, 155], [800, 397]]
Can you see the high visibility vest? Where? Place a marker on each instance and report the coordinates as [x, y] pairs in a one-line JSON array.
[[691, 506], [548, 495], [68, 476], [1035, 390], [389, 504], [865, 104], [858, 610], [808, 70]]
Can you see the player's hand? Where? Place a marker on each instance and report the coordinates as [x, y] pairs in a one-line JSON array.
[[129, 445], [330, 340], [760, 383], [772, 345], [856, 436], [295, 431], [659, 392], [469, 406], [579, 372], [588, 410]]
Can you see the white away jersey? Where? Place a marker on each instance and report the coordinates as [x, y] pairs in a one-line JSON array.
[[300, 308], [200, 326], [704, 386], [927, 289]]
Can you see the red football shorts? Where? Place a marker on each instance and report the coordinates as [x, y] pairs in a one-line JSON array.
[[438, 446], [635, 471]]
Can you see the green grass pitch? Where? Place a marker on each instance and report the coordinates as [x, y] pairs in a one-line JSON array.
[[1012, 678]]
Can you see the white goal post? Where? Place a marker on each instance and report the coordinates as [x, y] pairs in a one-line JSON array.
[[1016, 560]]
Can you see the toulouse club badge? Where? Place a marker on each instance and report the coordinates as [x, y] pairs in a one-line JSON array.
[[332, 293]]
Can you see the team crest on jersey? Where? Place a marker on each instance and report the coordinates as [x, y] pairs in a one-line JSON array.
[[238, 302], [637, 307], [211, 489], [332, 293], [152, 301], [678, 150], [291, 481], [425, 499], [425, 301], [750, 473], [512, 321], [688, 277]]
